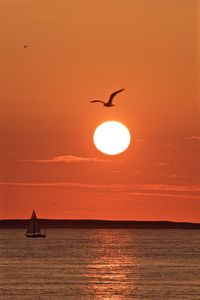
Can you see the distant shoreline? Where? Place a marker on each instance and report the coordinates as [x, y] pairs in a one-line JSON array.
[[86, 223]]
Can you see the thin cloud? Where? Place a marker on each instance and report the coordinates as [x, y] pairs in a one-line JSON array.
[[178, 176], [128, 188], [67, 159], [123, 191], [165, 195], [172, 187], [163, 164], [141, 141], [193, 138], [49, 184]]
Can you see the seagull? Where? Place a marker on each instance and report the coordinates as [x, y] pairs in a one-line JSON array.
[[109, 103]]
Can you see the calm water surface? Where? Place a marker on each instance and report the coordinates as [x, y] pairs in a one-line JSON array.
[[101, 264]]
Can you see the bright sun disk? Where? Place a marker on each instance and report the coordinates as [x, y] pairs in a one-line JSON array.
[[112, 137]]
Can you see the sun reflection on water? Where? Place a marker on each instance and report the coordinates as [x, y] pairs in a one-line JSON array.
[[112, 272]]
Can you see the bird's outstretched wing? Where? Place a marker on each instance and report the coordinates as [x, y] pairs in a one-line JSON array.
[[113, 95], [93, 101]]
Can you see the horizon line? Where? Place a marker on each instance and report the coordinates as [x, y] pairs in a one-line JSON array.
[[104, 220]]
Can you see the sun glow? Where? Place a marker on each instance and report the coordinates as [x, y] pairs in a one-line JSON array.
[[111, 137]]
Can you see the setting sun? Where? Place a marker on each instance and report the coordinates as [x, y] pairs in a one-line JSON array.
[[100, 149], [112, 137]]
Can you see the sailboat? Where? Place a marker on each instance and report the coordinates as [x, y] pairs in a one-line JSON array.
[[33, 229]]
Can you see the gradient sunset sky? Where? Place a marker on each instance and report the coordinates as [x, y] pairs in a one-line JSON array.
[[80, 50]]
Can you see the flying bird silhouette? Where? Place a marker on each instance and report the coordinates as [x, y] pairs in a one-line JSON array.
[[109, 103]]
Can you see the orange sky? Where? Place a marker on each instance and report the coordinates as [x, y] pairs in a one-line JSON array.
[[84, 50]]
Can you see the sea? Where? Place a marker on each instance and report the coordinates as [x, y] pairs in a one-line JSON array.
[[100, 264]]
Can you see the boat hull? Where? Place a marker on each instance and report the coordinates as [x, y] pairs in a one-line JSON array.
[[36, 235]]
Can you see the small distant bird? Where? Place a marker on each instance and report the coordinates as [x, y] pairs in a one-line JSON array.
[[109, 103]]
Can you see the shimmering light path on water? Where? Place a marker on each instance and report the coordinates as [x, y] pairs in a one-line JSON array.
[[101, 264]]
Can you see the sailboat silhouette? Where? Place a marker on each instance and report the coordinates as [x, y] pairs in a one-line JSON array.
[[33, 229]]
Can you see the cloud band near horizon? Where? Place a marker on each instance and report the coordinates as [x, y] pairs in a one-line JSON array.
[[163, 190], [67, 159]]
